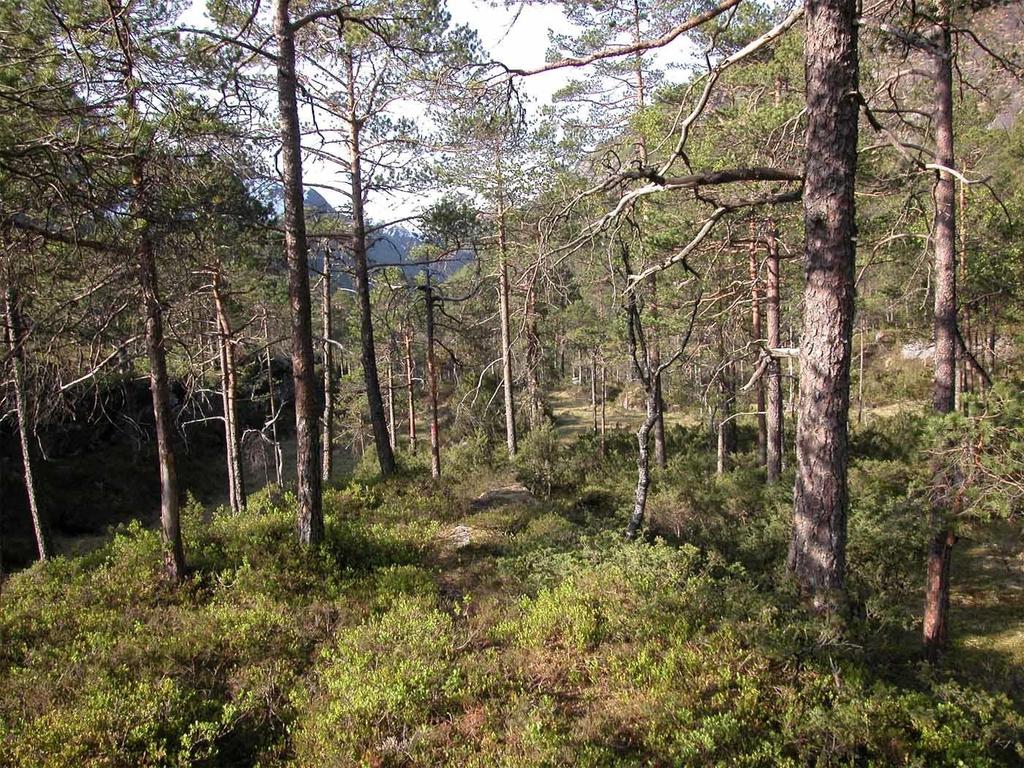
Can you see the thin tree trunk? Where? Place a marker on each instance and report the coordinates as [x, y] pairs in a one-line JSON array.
[[327, 467], [435, 437], [278, 458], [773, 372], [16, 348], [643, 470], [533, 360], [309, 515], [722, 453], [170, 509], [378, 420], [593, 391], [504, 319], [660, 457], [817, 556], [860, 380], [755, 330], [604, 408], [229, 397], [392, 433], [944, 395], [412, 395]]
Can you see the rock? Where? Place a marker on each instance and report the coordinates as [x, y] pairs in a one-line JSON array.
[[460, 536], [917, 350], [499, 497]]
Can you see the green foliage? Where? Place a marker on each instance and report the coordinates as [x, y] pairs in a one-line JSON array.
[[536, 462], [379, 686], [564, 645]]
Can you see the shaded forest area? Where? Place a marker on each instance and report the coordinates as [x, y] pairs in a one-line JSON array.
[[360, 410]]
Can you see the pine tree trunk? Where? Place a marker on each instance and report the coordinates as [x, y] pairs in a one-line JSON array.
[[755, 332], [660, 457], [309, 516], [817, 556], [327, 321], [378, 420], [15, 338], [229, 398], [773, 372], [533, 361], [643, 469], [159, 385], [271, 404], [411, 392], [944, 385], [435, 437], [593, 391], [392, 433], [506, 333], [604, 408]]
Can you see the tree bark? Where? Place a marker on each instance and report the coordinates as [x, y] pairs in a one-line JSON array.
[[378, 420], [817, 556], [392, 433], [660, 457], [504, 319], [604, 408], [593, 391], [756, 334], [309, 516], [435, 436], [278, 459], [229, 397], [643, 470], [773, 371], [15, 338], [944, 385], [327, 467], [533, 361], [170, 506], [412, 395]]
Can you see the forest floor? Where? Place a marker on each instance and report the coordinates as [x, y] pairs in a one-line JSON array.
[[987, 602], [574, 416], [476, 623]]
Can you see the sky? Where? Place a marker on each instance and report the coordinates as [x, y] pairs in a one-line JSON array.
[[517, 36]]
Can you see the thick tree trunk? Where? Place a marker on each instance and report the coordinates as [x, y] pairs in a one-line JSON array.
[[435, 436], [15, 338], [817, 556], [936, 608], [755, 332], [773, 372], [944, 384], [327, 467], [378, 420], [411, 402], [309, 516], [944, 232], [229, 398]]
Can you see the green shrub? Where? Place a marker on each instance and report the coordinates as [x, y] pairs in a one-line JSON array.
[[379, 687]]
